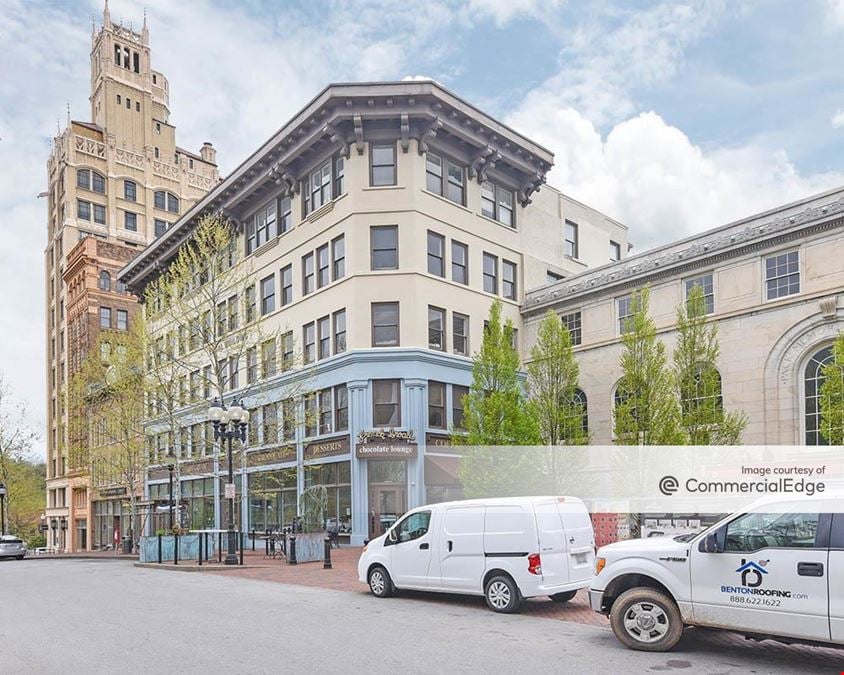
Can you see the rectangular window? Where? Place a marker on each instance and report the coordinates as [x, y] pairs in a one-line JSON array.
[[251, 365], [436, 254], [99, 214], [287, 354], [160, 227], [444, 177], [311, 415], [551, 277], [625, 313], [782, 275], [308, 342], [490, 273], [233, 373], [288, 420], [460, 333], [324, 337], [436, 405], [130, 191], [497, 203], [286, 285], [615, 251], [434, 173], [704, 282], [572, 324], [384, 247], [318, 187], [455, 183], [339, 175], [269, 423], [160, 200], [325, 411], [97, 183], [251, 304], [386, 403], [323, 266], [122, 319], [220, 316], [382, 165], [341, 408], [269, 365], [83, 176], [570, 247], [436, 328], [130, 221], [261, 227], [338, 257], [457, 394], [232, 310], [459, 262], [508, 279], [268, 295], [385, 324], [285, 215], [105, 317], [308, 279], [340, 331], [83, 210]]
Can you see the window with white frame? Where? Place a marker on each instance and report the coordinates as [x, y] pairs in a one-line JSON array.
[[497, 203], [625, 313], [261, 227], [436, 254], [572, 323], [382, 161], [782, 275], [436, 328], [508, 279], [571, 240], [704, 282], [445, 177], [460, 333], [615, 251]]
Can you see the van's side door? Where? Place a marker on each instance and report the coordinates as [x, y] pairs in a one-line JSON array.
[[553, 544], [836, 578], [410, 550], [461, 548], [770, 577]]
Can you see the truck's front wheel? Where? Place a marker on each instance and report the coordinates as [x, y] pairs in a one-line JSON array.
[[647, 620]]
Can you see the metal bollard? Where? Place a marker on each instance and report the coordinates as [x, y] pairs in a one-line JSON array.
[[219, 547], [199, 546], [253, 538], [241, 548], [291, 554], [326, 565], [175, 549], [159, 549]]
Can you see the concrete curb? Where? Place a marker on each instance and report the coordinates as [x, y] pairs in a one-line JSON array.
[[169, 567], [116, 558]]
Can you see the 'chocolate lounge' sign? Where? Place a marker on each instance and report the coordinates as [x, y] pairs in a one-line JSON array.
[[386, 444]]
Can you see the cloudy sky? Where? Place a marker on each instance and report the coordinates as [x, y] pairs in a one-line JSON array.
[[673, 117]]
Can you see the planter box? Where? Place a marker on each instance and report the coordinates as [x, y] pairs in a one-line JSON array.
[[310, 546], [188, 547]]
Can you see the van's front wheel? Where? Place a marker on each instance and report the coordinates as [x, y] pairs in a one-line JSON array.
[[502, 595], [380, 583], [646, 620]]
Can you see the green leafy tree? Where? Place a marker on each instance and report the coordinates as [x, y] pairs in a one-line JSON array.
[[646, 411], [832, 396], [552, 395], [496, 414], [698, 383]]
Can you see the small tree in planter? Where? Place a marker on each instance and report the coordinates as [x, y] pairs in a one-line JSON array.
[[313, 505]]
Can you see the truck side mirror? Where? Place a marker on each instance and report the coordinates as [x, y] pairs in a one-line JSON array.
[[710, 544]]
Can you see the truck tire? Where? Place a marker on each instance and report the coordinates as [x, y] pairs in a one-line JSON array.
[[380, 583], [563, 597], [502, 594], [646, 619]]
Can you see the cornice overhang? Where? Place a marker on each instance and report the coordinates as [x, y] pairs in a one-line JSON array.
[[701, 251], [339, 119]]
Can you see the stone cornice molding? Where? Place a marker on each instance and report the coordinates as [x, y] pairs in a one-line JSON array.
[[700, 251]]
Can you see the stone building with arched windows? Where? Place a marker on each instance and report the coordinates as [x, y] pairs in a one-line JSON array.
[[772, 282]]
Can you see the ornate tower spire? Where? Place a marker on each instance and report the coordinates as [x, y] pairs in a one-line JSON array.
[[145, 30], [106, 16]]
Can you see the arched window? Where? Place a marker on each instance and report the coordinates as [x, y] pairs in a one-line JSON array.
[[88, 179], [166, 201], [702, 391], [105, 281], [582, 417], [812, 381]]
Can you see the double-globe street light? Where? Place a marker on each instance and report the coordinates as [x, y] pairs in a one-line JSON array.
[[229, 423]]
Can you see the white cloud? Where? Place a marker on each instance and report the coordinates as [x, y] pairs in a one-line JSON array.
[[835, 11], [649, 174], [837, 120], [504, 11]]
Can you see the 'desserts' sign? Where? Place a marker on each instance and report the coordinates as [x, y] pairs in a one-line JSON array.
[[386, 444]]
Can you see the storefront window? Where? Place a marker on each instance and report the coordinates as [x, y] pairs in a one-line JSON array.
[[336, 477], [387, 493], [272, 499]]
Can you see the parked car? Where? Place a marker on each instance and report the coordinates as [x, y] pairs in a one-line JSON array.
[[12, 547], [503, 549], [766, 575]]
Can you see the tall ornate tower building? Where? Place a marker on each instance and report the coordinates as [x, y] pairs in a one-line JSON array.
[[115, 183]]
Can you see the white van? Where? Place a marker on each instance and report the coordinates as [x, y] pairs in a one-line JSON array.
[[503, 549], [769, 575]]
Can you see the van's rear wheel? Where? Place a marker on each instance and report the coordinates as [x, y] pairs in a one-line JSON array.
[[502, 595], [646, 620], [380, 583], [563, 597]]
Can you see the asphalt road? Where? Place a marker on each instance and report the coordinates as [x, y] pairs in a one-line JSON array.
[[84, 616]]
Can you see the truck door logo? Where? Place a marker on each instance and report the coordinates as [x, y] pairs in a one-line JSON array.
[[751, 572]]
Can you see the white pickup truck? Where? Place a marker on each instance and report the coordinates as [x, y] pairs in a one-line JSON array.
[[767, 575]]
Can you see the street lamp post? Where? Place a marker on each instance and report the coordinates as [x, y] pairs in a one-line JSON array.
[[170, 468], [2, 509], [229, 423]]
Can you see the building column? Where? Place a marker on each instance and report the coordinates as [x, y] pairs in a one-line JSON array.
[[415, 414], [360, 418]]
